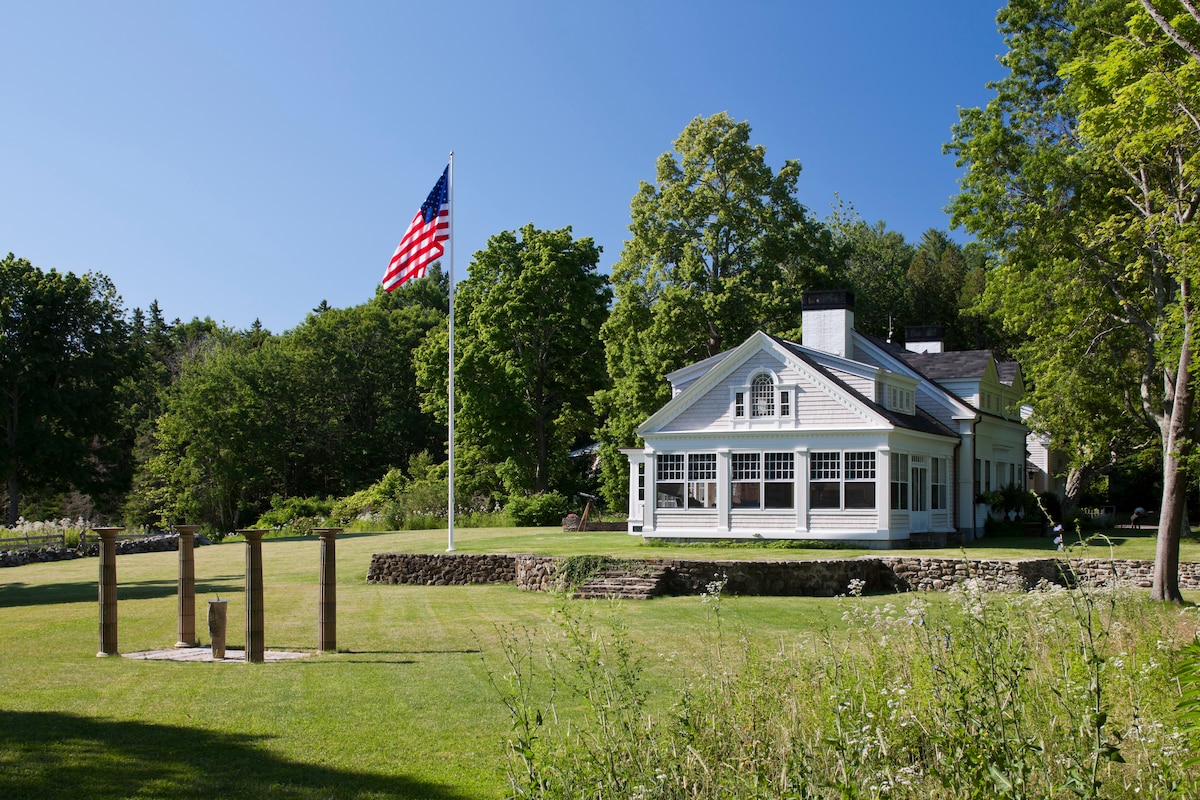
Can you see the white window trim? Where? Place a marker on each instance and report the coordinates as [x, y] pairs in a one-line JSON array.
[[842, 480], [784, 410], [762, 481]]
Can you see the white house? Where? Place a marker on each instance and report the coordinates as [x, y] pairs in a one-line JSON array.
[[841, 437]]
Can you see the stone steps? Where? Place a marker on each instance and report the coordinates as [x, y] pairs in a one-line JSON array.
[[621, 584]]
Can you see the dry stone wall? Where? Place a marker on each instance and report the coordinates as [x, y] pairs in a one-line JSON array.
[[148, 544], [823, 578], [441, 569]]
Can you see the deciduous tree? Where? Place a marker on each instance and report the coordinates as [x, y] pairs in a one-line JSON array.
[[64, 345], [1082, 176], [527, 323], [720, 247]]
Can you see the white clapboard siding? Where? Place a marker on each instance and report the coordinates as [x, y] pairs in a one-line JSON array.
[[864, 386], [837, 521], [812, 406], [899, 521], [687, 521], [820, 410], [747, 522]]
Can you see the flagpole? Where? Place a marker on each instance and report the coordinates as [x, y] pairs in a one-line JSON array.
[[450, 473]]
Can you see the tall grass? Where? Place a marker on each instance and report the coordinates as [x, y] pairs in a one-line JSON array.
[[1054, 693]]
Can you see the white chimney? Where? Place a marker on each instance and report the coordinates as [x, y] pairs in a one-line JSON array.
[[925, 338], [827, 321]]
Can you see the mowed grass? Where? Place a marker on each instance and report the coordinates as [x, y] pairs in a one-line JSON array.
[[404, 709]]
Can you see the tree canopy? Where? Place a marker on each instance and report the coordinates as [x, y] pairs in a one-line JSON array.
[[64, 350], [720, 247], [1081, 177], [527, 323]]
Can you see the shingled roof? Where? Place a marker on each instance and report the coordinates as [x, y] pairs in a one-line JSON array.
[[951, 365], [1007, 371], [920, 421]]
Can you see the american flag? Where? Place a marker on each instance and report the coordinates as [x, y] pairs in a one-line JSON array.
[[422, 242]]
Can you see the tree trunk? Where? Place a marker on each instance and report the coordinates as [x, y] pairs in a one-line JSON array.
[[14, 499], [1174, 496]]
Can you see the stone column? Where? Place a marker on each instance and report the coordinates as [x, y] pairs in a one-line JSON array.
[[187, 586], [254, 596], [327, 604], [108, 590]]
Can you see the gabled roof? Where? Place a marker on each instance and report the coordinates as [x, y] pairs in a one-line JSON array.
[[718, 367], [921, 421], [721, 367], [897, 356]]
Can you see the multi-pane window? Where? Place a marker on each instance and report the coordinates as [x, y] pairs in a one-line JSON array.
[[859, 488], [825, 480], [762, 396], [745, 477], [779, 480], [899, 481], [762, 480], [763, 399], [686, 481], [939, 484], [669, 481], [900, 400], [641, 481], [834, 483], [702, 480]]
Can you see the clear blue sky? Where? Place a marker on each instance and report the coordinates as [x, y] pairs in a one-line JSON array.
[[246, 160]]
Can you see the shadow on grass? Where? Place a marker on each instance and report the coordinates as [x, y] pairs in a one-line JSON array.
[[39, 594], [48, 755], [364, 656]]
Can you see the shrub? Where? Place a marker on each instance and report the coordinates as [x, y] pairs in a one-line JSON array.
[[370, 500], [547, 508], [298, 514]]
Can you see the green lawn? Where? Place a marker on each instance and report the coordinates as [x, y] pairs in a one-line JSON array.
[[404, 709]]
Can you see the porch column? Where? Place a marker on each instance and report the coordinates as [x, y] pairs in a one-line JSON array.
[[650, 506], [186, 618], [327, 603], [964, 491], [801, 490], [108, 590], [724, 488], [883, 489], [255, 649]]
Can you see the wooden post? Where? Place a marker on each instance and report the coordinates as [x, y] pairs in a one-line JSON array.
[[187, 586], [327, 603], [108, 590], [255, 649]]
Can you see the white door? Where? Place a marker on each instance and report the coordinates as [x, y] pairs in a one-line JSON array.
[[919, 502]]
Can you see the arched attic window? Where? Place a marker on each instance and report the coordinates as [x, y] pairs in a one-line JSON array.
[[762, 396]]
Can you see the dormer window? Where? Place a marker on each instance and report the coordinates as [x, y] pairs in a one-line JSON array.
[[900, 400]]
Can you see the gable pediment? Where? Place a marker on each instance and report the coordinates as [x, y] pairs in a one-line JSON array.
[[806, 396]]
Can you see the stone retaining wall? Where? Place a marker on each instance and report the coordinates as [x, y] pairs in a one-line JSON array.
[[441, 569], [147, 544], [822, 578]]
